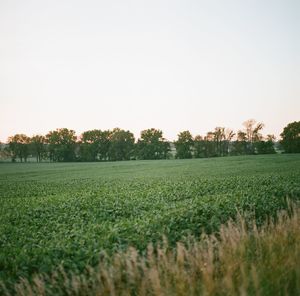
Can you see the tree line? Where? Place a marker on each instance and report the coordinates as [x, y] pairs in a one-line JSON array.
[[62, 145]]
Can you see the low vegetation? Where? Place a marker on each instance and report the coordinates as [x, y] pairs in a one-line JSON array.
[[67, 214], [240, 259]]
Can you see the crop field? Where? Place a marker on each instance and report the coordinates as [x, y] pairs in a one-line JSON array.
[[65, 214]]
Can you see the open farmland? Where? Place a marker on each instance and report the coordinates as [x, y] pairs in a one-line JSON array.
[[65, 214]]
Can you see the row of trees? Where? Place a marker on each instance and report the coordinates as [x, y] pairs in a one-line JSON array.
[[118, 144], [95, 145], [222, 142], [62, 145]]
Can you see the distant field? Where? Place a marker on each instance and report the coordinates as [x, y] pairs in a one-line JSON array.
[[66, 213]]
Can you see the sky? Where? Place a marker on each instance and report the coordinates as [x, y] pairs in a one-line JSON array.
[[172, 65]]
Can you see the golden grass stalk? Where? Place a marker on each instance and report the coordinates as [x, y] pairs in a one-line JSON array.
[[238, 260]]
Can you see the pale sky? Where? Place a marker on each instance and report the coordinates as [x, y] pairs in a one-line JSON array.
[[172, 65]]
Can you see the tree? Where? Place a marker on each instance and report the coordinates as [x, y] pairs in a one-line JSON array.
[[152, 145], [19, 147], [210, 147], [228, 136], [121, 145], [37, 144], [215, 143], [199, 147], [271, 138], [5, 153], [264, 147], [291, 137], [95, 145], [61, 144], [184, 145], [219, 137], [252, 131], [240, 145], [241, 136]]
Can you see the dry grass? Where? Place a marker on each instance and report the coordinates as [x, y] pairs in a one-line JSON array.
[[239, 260]]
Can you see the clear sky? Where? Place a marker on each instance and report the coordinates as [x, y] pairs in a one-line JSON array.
[[172, 65]]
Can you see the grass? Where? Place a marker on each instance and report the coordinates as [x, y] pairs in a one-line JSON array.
[[238, 260], [66, 214]]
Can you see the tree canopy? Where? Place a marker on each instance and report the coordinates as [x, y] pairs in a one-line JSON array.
[[121, 145], [61, 144], [18, 145], [184, 145], [118, 144], [152, 145], [291, 137], [95, 145]]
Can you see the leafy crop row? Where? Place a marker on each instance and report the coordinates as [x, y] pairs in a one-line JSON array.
[[69, 217]]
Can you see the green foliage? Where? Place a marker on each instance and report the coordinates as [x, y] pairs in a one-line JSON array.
[[291, 137], [66, 213], [239, 148], [264, 147], [121, 145], [184, 145], [38, 148], [250, 140], [252, 134], [239, 259], [61, 144], [199, 147], [19, 147], [219, 138], [152, 145], [94, 145], [216, 143]]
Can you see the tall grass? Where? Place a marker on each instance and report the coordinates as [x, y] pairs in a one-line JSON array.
[[240, 259]]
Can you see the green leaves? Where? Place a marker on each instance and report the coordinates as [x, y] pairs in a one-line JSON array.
[[54, 214]]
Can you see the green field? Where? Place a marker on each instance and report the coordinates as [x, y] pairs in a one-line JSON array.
[[66, 213]]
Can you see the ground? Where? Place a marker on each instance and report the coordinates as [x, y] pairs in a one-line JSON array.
[[65, 214]]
